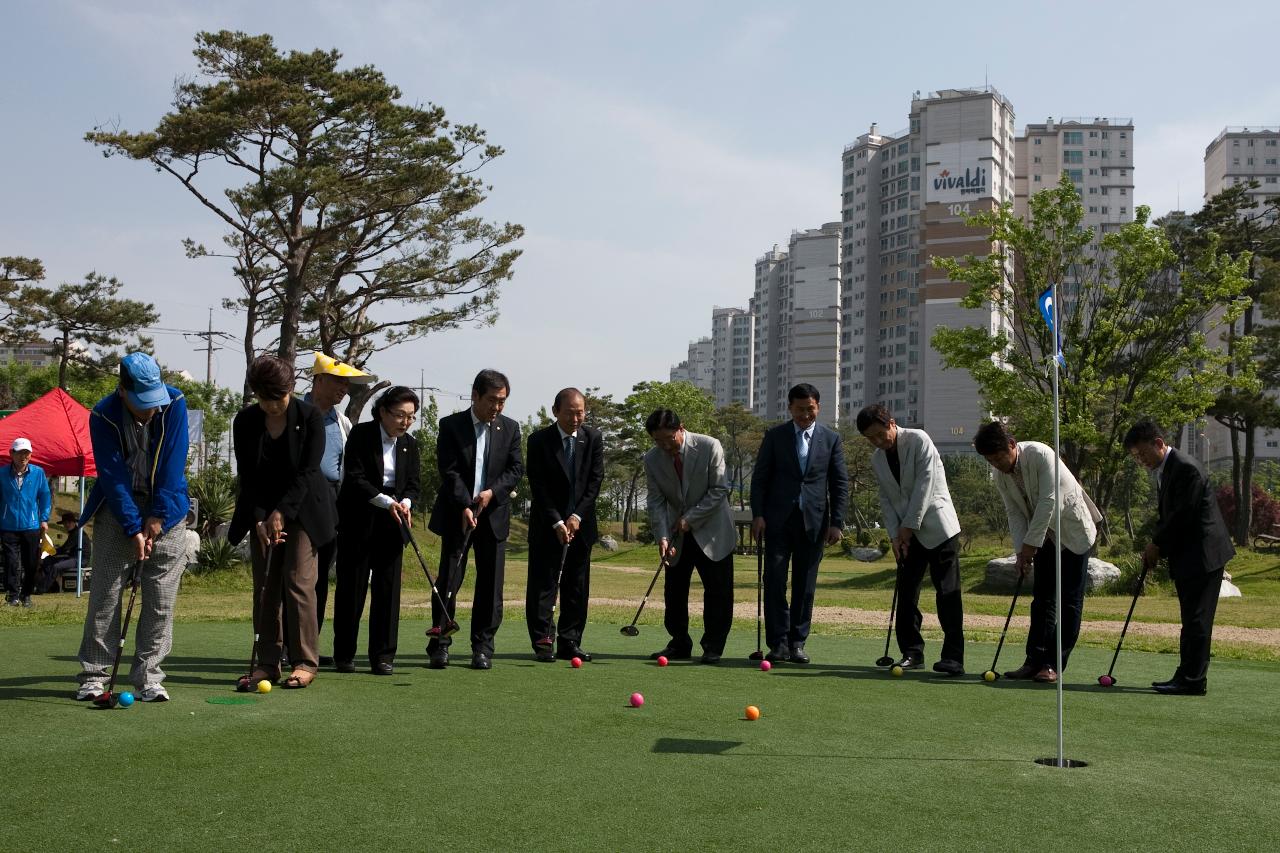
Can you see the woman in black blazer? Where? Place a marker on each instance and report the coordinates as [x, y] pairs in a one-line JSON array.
[[379, 485], [284, 500]]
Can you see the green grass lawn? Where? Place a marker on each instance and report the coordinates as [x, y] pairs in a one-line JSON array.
[[544, 757]]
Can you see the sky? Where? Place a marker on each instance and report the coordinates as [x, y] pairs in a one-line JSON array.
[[654, 150]]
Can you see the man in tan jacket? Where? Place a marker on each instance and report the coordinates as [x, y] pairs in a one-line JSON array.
[[1025, 480]]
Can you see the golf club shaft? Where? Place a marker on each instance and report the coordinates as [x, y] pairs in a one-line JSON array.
[[422, 562], [1142, 577], [1007, 619], [555, 593], [661, 562], [124, 631], [759, 589], [893, 608], [257, 617]]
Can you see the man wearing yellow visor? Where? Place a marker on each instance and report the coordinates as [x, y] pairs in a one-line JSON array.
[[330, 381]]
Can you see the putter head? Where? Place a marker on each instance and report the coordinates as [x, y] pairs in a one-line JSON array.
[[756, 655], [242, 684], [630, 631], [884, 661], [450, 629], [104, 701]]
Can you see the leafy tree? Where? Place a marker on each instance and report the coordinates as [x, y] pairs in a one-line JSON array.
[[740, 432], [85, 315], [977, 503], [14, 272], [864, 490], [1132, 321], [365, 205], [1234, 223], [428, 436], [219, 406]]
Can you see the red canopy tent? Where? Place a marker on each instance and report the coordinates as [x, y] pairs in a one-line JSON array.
[[58, 428]]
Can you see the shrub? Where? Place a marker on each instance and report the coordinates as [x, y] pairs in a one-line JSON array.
[[216, 555], [1266, 509], [215, 489]]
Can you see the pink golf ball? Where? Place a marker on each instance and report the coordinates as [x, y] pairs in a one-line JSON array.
[[1106, 681], [577, 663], [662, 661], [765, 666], [636, 700]]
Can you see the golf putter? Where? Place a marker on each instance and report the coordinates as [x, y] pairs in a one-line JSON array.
[[450, 627], [992, 672], [243, 684], [110, 699], [555, 597], [893, 607], [1109, 680], [631, 630], [758, 654]]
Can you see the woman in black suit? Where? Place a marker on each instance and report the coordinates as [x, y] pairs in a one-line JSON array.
[[284, 499], [379, 485]]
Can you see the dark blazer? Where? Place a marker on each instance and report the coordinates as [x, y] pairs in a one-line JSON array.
[[776, 481], [1191, 533], [549, 482], [456, 458], [306, 500], [362, 476]]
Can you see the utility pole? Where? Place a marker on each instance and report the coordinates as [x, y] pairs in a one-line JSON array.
[[208, 348]]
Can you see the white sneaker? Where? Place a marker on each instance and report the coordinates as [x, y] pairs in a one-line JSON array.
[[89, 690], [153, 693]]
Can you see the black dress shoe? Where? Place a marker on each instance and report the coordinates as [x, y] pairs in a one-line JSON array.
[[946, 666], [542, 654], [344, 666], [480, 661], [908, 662], [439, 659], [571, 652], [710, 657], [781, 654], [1177, 677], [382, 668], [798, 654], [1027, 670], [1183, 688], [326, 660], [671, 654]]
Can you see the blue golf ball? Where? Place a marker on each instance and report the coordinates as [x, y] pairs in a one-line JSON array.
[[126, 699]]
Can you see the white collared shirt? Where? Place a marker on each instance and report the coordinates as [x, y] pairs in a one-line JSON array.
[[1159, 469], [388, 472]]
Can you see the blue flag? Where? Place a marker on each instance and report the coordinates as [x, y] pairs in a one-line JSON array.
[[1046, 311]]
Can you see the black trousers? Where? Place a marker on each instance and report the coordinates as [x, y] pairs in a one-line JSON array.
[[540, 593], [1198, 601], [943, 565], [324, 564], [21, 552], [717, 600], [1041, 640], [790, 543], [486, 608], [367, 564]]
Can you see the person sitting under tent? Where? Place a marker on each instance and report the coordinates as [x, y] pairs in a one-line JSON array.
[[63, 560]]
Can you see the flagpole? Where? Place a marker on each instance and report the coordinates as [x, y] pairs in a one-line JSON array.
[[1057, 511]]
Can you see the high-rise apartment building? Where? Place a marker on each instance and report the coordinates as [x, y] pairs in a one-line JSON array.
[[797, 321], [904, 200], [1096, 153], [700, 367], [732, 330], [1239, 155]]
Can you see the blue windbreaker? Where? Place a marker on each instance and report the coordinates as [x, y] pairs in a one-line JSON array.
[[25, 508]]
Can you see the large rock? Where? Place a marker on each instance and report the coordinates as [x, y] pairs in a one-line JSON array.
[[608, 543], [866, 555], [1002, 574], [1228, 589]]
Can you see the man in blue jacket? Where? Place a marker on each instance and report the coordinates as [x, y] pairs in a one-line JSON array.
[[139, 438], [24, 517]]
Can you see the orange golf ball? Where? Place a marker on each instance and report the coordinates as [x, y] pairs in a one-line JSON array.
[[753, 713]]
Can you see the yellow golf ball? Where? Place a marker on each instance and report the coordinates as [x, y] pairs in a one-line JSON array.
[[896, 671], [264, 686], [988, 676]]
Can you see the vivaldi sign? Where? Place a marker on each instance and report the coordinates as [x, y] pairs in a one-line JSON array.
[[972, 182], [959, 171]]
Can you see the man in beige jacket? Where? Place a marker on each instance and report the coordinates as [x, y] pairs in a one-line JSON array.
[[1025, 480]]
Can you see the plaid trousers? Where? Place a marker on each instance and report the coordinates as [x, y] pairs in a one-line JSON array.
[[158, 589]]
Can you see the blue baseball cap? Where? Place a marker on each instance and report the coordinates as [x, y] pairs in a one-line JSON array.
[[140, 378]]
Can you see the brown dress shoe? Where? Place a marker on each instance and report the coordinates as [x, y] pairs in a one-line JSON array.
[[1027, 670], [1047, 676]]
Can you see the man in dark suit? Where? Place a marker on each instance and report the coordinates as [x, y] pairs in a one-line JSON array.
[[566, 467], [1192, 536], [798, 492], [478, 453]]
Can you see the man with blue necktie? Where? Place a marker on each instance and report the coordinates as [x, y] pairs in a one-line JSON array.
[[478, 454], [799, 490]]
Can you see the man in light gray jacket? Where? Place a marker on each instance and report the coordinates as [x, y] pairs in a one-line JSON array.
[[688, 502], [1025, 476], [923, 531]]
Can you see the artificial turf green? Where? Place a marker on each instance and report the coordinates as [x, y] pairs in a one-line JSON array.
[[532, 756]]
